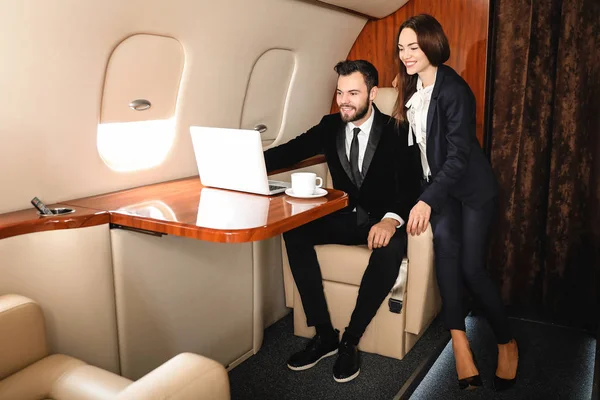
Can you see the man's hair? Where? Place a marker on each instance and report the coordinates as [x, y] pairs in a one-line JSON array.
[[368, 71]]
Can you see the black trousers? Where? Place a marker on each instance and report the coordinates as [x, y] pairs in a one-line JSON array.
[[378, 280], [460, 236]]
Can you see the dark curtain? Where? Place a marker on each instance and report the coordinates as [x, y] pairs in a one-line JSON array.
[[545, 151]]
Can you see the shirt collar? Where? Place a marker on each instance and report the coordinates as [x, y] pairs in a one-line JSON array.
[[366, 126]]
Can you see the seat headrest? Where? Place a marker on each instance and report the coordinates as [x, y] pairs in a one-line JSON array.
[[386, 99]]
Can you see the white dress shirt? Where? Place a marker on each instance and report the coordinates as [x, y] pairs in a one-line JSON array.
[[363, 139], [418, 107]]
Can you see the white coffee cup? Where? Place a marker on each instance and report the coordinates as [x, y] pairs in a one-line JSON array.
[[305, 183]]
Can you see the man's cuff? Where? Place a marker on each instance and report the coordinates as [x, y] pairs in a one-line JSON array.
[[396, 217]]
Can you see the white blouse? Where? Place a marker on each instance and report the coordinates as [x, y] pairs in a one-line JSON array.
[[418, 105]]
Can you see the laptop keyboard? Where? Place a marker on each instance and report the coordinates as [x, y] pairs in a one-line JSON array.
[[276, 187]]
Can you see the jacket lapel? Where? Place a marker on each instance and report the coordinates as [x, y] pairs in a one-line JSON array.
[[341, 150], [441, 72], [374, 136]]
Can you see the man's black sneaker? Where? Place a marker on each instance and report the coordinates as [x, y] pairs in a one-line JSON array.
[[347, 365], [317, 349]]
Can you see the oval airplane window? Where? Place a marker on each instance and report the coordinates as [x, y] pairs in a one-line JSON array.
[[139, 102], [266, 95]]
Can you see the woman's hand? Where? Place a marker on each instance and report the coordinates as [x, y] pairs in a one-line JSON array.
[[418, 219]]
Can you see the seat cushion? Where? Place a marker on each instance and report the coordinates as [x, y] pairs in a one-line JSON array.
[[343, 264]]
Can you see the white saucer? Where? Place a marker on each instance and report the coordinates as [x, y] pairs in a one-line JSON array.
[[305, 202], [319, 192]]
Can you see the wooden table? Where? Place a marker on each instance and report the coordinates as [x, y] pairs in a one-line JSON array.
[[184, 208]]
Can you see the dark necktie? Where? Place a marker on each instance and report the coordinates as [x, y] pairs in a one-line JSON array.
[[354, 158]]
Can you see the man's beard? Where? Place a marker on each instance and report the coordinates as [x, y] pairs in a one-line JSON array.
[[360, 113]]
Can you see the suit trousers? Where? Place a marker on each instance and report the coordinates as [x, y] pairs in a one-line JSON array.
[[377, 281], [460, 235]]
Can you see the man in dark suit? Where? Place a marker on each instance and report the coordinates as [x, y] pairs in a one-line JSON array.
[[369, 159]]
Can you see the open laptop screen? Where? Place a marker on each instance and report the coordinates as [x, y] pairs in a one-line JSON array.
[[230, 159]]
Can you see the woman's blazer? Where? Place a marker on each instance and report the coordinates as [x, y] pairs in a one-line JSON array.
[[458, 166]]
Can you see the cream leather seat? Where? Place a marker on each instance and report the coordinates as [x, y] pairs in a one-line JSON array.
[[390, 333], [28, 372]]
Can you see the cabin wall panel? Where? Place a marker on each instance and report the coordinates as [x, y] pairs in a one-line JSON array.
[[269, 297], [373, 8], [145, 67], [55, 56], [177, 295], [69, 273], [465, 22], [267, 91]]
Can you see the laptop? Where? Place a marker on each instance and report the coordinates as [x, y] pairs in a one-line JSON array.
[[233, 159]]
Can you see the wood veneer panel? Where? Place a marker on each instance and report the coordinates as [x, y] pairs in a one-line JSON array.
[[466, 25], [184, 208], [27, 221]]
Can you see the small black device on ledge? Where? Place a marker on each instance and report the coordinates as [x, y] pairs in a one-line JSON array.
[[41, 207]]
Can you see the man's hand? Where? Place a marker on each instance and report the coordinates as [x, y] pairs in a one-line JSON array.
[[381, 233], [418, 219]]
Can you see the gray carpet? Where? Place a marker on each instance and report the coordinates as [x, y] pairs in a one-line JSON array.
[[266, 376], [555, 363]]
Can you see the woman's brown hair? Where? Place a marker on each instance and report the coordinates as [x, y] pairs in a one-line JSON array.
[[433, 42]]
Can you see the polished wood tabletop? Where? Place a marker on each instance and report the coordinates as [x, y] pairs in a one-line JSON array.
[[28, 221], [186, 208]]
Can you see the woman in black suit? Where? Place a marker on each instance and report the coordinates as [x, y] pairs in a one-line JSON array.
[[458, 191]]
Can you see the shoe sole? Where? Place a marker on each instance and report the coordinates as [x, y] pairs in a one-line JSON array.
[[348, 379], [308, 366]]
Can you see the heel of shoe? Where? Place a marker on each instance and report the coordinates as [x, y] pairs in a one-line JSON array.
[[472, 382], [501, 384]]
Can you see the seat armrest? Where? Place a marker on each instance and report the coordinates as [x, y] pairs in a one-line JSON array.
[[186, 376], [89, 383], [22, 334], [422, 297]]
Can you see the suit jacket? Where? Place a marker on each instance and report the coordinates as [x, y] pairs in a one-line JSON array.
[[458, 166], [390, 172]]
